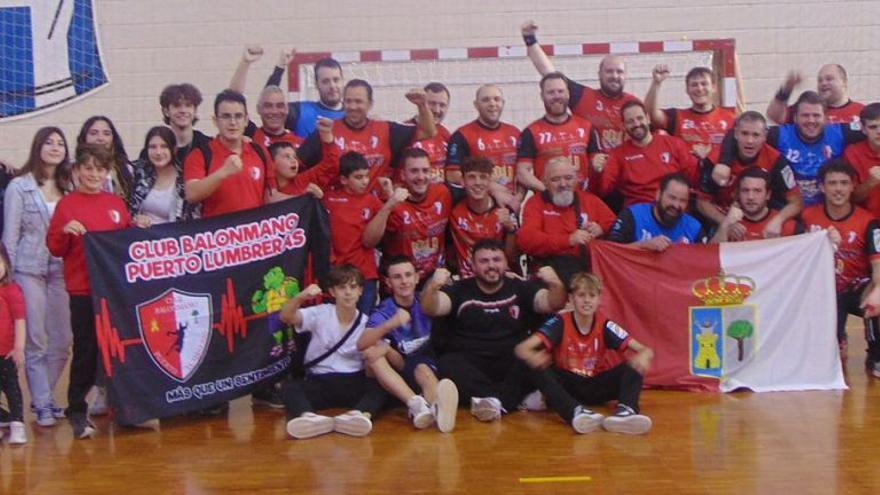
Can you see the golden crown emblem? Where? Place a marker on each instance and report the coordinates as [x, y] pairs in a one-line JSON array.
[[723, 290]]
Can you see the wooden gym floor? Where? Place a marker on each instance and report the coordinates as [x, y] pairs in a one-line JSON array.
[[788, 443]]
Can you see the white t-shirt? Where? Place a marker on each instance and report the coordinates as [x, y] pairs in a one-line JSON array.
[[322, 323], [157, 205]]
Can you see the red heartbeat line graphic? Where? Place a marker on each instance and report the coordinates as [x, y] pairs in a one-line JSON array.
[[232, 322]]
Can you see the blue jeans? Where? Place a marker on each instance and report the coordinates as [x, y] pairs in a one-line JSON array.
[[47, 345]]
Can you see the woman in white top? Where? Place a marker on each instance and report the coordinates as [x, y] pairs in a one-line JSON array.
[[29, 203], [157, 189]]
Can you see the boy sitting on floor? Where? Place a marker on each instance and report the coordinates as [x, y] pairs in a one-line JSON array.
[[575, 342]]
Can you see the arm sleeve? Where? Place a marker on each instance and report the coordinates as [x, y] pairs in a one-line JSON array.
[[275, 76], [615, 336], [194, 168], [310, 319], [457, 150], [575, 92], [12, 207], [623, 230], [551, 332], [526, 148], [399, 137], [310, 152]]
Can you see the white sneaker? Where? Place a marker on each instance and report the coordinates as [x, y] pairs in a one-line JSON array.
[[421, 414], [99, 405], [486, 408], [585, 420], [309, 425], [446, 406], [17, 433], [875, 369], [625, 420], [533, 402], [354, 423]]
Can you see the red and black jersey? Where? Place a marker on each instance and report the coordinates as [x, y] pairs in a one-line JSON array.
[[435, 147], [862, 157], [574, 138], [267, 139], [468, 227], [498, 145], [349, 216], [546, 227], [859, 245], [582, 351], [848, 113], [380, 141], [418, 229], [783, 185], [242, 191], [700, 127], [602, 111], [755, 228], [636, 171]]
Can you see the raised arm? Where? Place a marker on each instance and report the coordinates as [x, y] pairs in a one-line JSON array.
[[658, 116], [376, 228], [434, 302], [779, 104], [251, 54], [290, 313], [554, 297], [425, 121], [536, 54]]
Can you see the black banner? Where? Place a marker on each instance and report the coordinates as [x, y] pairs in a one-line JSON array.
[[187, 313]]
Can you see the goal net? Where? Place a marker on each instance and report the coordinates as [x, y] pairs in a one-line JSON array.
[[463, 70]]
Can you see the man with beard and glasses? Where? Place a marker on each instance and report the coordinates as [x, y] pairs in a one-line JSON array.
[[854, 233], [271, 106], [752, 150], [562, 220], [488, 137], [636, 167], [656, 226], [748, 218], [558, 133], [487, 316], [601, 106]]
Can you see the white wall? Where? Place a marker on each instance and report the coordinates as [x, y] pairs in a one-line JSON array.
[[150, 43]]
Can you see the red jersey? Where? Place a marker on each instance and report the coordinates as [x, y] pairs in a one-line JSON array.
[[860, 237], [848, 113], [379, 141], [498, 145], [468, 227], [97, 213], [244, 190], [11, 309], [602, 111], [700, 127], [322, 175], [636, 171], [862, 157], [436, 149], [266, 139], [755, 228], [582, 351], [574, 138], [783, 185], [418, 229], [546, 227], [349, 216]]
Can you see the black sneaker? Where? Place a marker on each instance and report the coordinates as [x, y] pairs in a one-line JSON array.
[[626, 420], [82, 427], [267, 396], [217, 410]]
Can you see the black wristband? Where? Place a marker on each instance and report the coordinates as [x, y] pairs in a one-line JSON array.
[[783, 95], [530, 39]]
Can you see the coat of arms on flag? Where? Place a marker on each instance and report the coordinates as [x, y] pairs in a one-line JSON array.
[[49, 55], [723, 329], [176, 329]]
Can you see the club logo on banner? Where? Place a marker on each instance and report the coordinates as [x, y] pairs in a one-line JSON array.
[[187, 314], [176, 330], [723, 329], [49, 55]]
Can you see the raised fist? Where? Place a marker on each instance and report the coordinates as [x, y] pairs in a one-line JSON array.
[[252, 53], [721, 174], [548, 275], [529, 28], [400, 195], [311, 291], [417, 96], [660, 73], [441, 277], [325, 129], [285, 56], [403, 317], [232, 165]]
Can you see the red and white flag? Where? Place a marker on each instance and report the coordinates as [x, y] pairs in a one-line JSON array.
[[759, 315]]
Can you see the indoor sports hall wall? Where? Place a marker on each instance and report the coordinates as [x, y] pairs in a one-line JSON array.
[[147, 44]]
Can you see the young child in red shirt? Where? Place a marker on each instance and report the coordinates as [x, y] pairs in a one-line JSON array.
[[87, 209], [12, 328]]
